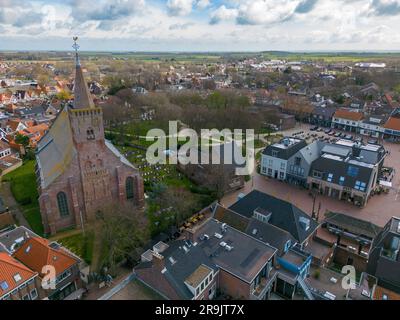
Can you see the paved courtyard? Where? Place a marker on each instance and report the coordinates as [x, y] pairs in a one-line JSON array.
[[379, 209], [136, 291]]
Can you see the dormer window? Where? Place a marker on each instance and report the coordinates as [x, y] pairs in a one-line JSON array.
[[90, 134]]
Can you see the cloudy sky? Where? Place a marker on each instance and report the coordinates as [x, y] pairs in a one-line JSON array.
[[200, 25]]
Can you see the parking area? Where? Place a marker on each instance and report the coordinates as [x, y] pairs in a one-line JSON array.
[[379, 209]]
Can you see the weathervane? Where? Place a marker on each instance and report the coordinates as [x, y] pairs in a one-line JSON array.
[[76, 47]]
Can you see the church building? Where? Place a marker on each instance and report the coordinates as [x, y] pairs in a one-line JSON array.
[[79, 172]]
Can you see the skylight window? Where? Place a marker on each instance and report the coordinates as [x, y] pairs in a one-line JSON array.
[[360, 186], [353, 171], [4, 285], [17, 277]]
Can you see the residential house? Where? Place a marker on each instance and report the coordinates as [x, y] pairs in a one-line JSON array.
[[347, 171], [384, 257], [283, 226], [9, 160], [35, 133], [351, 237], [347, 119], [212, 258], [274, 159], [279, 213], [392, 127], [36, 253], [322, 116], [372, 126], [298, 166], [17, 282]]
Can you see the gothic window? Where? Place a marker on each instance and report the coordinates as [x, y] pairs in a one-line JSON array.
[[90, 134], [62, 204], [129, 188]]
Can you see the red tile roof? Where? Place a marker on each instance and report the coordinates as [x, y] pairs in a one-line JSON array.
[[393, 124], [349, 115], [9, 267], [36, 253], [379, 292]]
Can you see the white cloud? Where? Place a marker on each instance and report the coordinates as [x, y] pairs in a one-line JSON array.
[[222, 14], [179, 7], [266, 12], [203, 4], [231, 25]]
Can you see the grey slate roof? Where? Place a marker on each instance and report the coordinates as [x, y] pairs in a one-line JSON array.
[[336, 150], [245, 260], [55, 150], [340, 168], [312, 151], [186, 264], [326, 112], [269, 234], [353, 225], [386, 269], [284, 215], [285, 153], [12, 238]]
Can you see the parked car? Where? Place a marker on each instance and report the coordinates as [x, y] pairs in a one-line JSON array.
[[358, 139], [320, 130], [332, 133], [337, 134], [373, 141], [349, 137], [343, 135], [314, 128]]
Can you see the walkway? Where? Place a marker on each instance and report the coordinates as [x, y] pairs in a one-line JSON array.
[[11, 203]]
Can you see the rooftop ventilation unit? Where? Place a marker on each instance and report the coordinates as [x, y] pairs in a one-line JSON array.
[[228, 248], [223, 244], [185, 249], [204, 237], [224, 227], [172, 260]]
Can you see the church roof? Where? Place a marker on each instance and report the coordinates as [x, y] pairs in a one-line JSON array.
[[116, 152], [55, 150], [82, 97]]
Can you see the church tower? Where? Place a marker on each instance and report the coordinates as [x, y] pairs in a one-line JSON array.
[[79, 172]]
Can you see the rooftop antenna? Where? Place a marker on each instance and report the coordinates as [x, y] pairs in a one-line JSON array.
[[76, 48]]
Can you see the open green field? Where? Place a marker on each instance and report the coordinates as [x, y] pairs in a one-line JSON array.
[[24, 190]]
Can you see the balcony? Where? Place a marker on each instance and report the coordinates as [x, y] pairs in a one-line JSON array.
[[264, 285]]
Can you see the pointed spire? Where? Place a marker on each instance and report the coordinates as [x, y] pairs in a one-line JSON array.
[[82, 97]]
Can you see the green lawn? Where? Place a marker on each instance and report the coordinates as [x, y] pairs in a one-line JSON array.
[[80, 244], [24, 189]]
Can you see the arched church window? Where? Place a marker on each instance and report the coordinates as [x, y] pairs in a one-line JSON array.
[[62, 204], [129, 188]]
